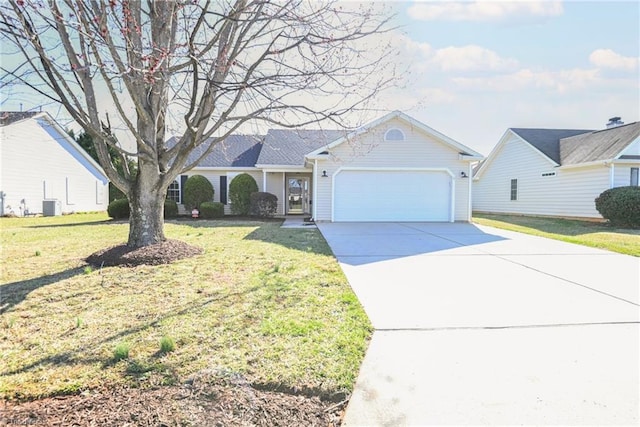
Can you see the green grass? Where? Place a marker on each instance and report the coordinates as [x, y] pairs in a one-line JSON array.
[[594, 234], [268, 303]]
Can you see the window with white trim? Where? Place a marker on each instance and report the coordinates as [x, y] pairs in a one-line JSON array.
[[514, 189], [634, 177], [173, 192], [394, 134]]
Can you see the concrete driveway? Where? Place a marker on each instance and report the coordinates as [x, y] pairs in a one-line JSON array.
[[476, 325]]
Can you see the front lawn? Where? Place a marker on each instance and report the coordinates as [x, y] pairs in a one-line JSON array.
[[265, 303], [598, 235]]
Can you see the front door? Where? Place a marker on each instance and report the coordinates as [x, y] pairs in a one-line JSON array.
[[297, 195]]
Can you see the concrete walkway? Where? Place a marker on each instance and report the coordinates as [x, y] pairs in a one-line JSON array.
[[476, 325]]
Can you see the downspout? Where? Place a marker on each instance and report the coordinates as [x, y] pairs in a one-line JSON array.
[[452, 215], [612, 173], [315, 189], [284, 194], [470, 178]]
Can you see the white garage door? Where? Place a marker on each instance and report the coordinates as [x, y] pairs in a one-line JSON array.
[[392, 196]]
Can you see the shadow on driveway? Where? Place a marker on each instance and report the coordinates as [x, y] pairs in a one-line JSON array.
[[363, 243]]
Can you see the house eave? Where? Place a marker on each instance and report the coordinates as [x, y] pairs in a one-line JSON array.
[[283, 168], [393, 115], [224, 168], [470, 157], [587, 164]]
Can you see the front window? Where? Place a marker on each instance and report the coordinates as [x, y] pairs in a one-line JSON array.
[[634, 176], [173, 192], [514, 189]]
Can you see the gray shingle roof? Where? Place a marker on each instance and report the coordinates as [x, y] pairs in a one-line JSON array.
[[547, 140], [599, 145], [235, 151], [8, 117], [288, 147]]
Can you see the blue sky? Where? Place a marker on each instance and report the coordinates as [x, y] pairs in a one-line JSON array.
[[479, 68]]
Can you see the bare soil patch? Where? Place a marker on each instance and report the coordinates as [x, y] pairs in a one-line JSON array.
[[198, 403], [160, 253]]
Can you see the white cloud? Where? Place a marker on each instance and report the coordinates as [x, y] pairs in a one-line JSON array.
[[491, 11], [454, 58], [471, 58], [561, 81], [607, 58]]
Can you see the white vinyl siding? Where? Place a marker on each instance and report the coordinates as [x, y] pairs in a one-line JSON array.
[[622, 174], [36, 165], [276, 186], [571, 192], [370, 150]]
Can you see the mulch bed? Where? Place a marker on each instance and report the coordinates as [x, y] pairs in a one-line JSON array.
[[202, 401], [199, 403], [156, 254]]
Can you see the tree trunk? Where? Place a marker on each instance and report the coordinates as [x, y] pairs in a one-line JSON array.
[[146, 202]]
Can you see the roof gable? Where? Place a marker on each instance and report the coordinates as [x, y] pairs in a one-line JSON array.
[[462, 149], [605, 144], [57, 135], [238, 151], [288, 147], [547, 141]]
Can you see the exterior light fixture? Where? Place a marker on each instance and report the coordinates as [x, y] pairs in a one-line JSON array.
[[324, 174]]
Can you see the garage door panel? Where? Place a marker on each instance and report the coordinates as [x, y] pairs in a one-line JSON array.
[[392, 196]]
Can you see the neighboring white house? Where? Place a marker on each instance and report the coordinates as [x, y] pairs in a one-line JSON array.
[[393, 169], [42, 166], [557, 172]]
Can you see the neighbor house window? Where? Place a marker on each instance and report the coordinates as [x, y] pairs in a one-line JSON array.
[[634, 176], [173, 192], [514, 189], [394, 135]]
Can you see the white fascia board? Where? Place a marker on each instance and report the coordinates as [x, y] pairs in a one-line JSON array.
[[469, 158], [503, 140], [317, 156], [411, 121], [444, 138], [283, 168], [63, 133], [224, 168], [587, 164], [622, 152], [506, 137]]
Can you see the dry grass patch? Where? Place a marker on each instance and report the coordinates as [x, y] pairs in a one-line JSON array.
[[266, 303]]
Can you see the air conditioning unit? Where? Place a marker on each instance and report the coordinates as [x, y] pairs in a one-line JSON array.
[[51, 207]]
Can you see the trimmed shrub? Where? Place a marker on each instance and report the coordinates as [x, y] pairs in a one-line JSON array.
[[118, 209], [263, 205], [197, 190], [240, 190], [210, 210], [170, 209], [620, 205], [115, 193]]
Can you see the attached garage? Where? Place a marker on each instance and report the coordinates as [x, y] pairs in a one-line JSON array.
[[393, 195]]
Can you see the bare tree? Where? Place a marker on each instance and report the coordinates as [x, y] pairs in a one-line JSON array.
[[205, 67]]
